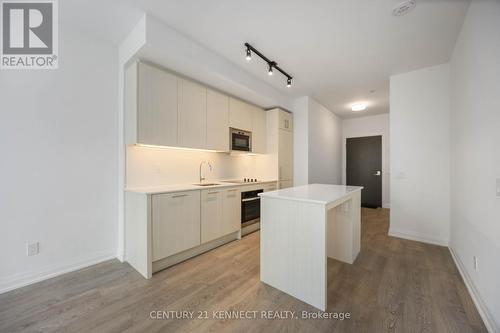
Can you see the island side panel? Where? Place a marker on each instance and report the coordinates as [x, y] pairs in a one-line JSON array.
[[355, 213], [344, 229], [138, 251], [293, 249]]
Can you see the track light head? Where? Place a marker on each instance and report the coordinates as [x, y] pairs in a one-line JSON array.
[[270, 72], [249, 54], [289, 82]]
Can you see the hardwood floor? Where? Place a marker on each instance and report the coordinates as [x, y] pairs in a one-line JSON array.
[[395, 285]]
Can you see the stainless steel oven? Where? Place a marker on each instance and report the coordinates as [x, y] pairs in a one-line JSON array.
[[250, 207], [240, 140]]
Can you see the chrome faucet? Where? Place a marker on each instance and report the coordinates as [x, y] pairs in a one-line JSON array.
[[201, 164]]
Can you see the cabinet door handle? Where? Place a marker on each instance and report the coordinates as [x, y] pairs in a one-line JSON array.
[[179, 195], [233, 190], [213, 192], [250, 199]]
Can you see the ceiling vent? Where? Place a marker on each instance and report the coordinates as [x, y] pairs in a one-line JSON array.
[[404, 8]]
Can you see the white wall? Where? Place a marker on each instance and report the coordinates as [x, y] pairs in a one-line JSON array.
[[475, 154], [420, 155], [325, 145], [58, 138], [370, 126], [147, 166]]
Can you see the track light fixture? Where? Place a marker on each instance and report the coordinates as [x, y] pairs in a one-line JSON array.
[[270, 71], [272, 64]]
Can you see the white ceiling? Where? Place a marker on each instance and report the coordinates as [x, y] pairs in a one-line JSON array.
[[336, 50]]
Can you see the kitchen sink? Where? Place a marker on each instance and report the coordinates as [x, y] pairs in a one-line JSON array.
[[206, 184]]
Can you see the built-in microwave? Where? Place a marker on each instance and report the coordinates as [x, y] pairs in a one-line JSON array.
[[240, 140]]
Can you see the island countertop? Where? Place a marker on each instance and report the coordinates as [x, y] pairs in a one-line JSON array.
[[313, 193]]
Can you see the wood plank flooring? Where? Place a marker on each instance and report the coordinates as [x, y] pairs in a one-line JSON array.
[[395, 285]]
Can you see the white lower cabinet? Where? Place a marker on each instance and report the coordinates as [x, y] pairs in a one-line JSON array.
[[211, 214], [220, 213], [163, 229], [175, 223], [231, 205]]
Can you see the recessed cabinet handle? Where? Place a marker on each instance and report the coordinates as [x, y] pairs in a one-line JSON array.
[[233, 190], [179, 195], [212, 192]]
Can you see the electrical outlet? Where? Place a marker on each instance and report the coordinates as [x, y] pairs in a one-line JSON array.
[[476, 264], [33, 249]]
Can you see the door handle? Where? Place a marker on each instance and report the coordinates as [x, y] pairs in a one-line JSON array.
[[250, 199], [179, 196], [378, 173]]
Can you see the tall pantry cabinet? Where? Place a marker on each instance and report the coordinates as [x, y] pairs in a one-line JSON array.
[[280, 144]]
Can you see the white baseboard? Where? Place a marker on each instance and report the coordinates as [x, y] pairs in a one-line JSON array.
[[419, 237], [121, 257], [478, 301], [25, 279]]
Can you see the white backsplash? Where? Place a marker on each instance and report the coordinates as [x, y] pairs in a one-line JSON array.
[[147, 166]]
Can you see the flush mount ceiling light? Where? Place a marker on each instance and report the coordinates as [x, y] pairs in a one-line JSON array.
[[404, 7], [358, 107], [272, 64]]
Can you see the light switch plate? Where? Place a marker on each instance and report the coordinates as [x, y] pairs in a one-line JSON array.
[[33, 249]]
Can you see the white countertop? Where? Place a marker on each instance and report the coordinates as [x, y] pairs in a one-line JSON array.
[[190, 187], [314, 193]]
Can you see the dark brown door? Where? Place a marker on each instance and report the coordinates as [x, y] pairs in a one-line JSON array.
[[364, 168]]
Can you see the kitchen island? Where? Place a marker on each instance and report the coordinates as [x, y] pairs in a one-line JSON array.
[[302, 226]]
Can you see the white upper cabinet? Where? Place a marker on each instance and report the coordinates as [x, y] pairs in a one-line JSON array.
[[286, 121], [259, 130], [163, 109], [192, 122], [240, 115], [217, 121], [153, 119]]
